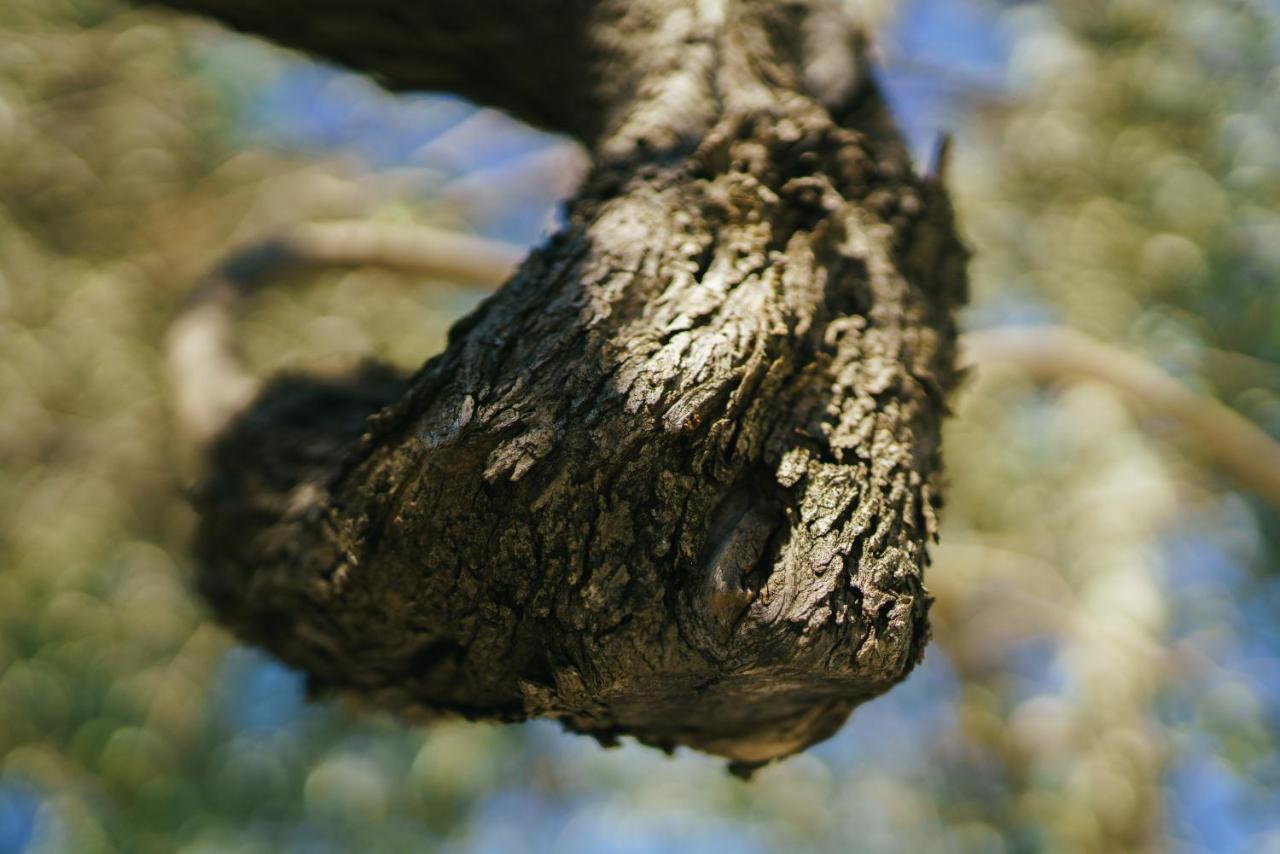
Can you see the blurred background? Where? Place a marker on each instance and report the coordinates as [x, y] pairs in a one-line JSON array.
[[1106, 669]]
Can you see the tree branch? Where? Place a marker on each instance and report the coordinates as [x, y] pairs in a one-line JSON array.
[[1235, 445], [485, 50], [677, 478], [211, 384], [578, 67]]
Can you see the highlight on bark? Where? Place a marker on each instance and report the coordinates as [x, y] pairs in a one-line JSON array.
[[677, 478]]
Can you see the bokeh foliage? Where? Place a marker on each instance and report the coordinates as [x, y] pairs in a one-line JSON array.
[[1106, 674]]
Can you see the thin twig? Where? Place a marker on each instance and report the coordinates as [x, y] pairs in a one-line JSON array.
[[210, 380], [1236, 445]]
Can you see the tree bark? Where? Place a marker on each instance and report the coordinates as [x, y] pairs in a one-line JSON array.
[[677, 478]]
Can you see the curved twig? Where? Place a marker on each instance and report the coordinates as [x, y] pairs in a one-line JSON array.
[[1236, 445], [211, 383]]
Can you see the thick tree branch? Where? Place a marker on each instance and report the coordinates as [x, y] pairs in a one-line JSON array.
[[677, 478], [527, 57]]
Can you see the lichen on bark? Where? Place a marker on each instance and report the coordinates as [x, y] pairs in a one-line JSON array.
[[676, 480]]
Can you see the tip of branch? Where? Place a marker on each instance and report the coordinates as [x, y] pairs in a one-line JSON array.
[[940, 162]]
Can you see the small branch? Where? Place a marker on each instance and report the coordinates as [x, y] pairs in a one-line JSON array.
[[212, 384], [1235, 445], [1239, 371], [433, 252]]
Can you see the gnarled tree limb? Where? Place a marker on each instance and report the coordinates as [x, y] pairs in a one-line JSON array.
[[677, 478]]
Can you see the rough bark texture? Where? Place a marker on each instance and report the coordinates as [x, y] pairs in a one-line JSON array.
[[676, 479]]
